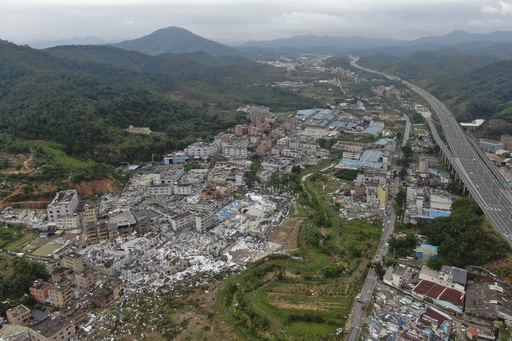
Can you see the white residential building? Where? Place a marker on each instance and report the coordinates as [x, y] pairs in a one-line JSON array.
[[204, 222], [182, 189], [235, 152], [441, 203], [68, 222], [202, 149], [183, 220], [291, 153], [284, 141], [64, 204], [162, 189]]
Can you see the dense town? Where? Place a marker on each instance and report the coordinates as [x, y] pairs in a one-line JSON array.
[[209, 210]]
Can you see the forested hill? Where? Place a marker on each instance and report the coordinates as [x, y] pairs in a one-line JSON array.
[[472, 86], [86, 106], [484, 92], [426, 64], [198, 65]]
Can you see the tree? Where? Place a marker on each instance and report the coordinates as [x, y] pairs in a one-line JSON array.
[[455, 236], [379, 269], [407, 152], [435, 263], [403, 173], [400, 202]]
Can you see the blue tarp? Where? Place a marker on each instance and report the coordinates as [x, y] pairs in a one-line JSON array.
[[434, 213]]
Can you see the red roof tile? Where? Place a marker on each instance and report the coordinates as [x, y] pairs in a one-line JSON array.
[[452, 296], [423, 287]]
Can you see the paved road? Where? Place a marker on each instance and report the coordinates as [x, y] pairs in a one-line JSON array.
[[479, 175], [477, 172], [371, 279]]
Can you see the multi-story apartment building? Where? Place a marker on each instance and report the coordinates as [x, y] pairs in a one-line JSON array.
[[101, 297], [241, 129], [59, 328], [39, 290], [202, 149], [284, 141], [204, 222], [264, 146], [64, 204], [87, 278], [90, 214], [68, 222], [182, 189], [73, 260], [112, 230], [162, 189], [18, 315], [182, 220], [62, 274], [232, 151], [59, 295], [291, 153]]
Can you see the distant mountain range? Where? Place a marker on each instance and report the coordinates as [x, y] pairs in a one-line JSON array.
[[43, 44], [498, 43], [178, 40]]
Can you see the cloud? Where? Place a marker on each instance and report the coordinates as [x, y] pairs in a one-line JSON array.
[[240, 20], [308, 22], [502, 8]]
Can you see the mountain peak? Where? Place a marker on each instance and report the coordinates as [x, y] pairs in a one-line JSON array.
[[175, 40]]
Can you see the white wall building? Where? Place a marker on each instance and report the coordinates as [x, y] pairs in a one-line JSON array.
[[64, 204], [162, 189], [440, 203], [183, 220], [235, 152], [68, 222], [202, 149]]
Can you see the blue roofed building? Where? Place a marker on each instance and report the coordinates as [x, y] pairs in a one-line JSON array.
[[326, 111], [372, 130], [372, 156], [357, 164], [305, 113], [385, 141]]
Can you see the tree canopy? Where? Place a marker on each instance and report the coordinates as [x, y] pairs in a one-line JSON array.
[[464, 237]]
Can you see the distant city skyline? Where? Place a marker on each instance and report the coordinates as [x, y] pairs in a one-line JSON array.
[[237, 21]]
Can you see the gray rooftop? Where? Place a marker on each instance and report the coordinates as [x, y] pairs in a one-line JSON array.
[[49, 327]]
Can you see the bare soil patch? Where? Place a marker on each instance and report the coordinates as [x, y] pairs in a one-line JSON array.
[[292, 241], [89, 188], [278, 234]]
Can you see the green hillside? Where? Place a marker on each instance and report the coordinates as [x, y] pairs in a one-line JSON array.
[[86, 105], [484, 92], [194, 66], [426, 64]]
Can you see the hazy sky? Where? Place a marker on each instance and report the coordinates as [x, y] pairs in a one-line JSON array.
[[229, 21]]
